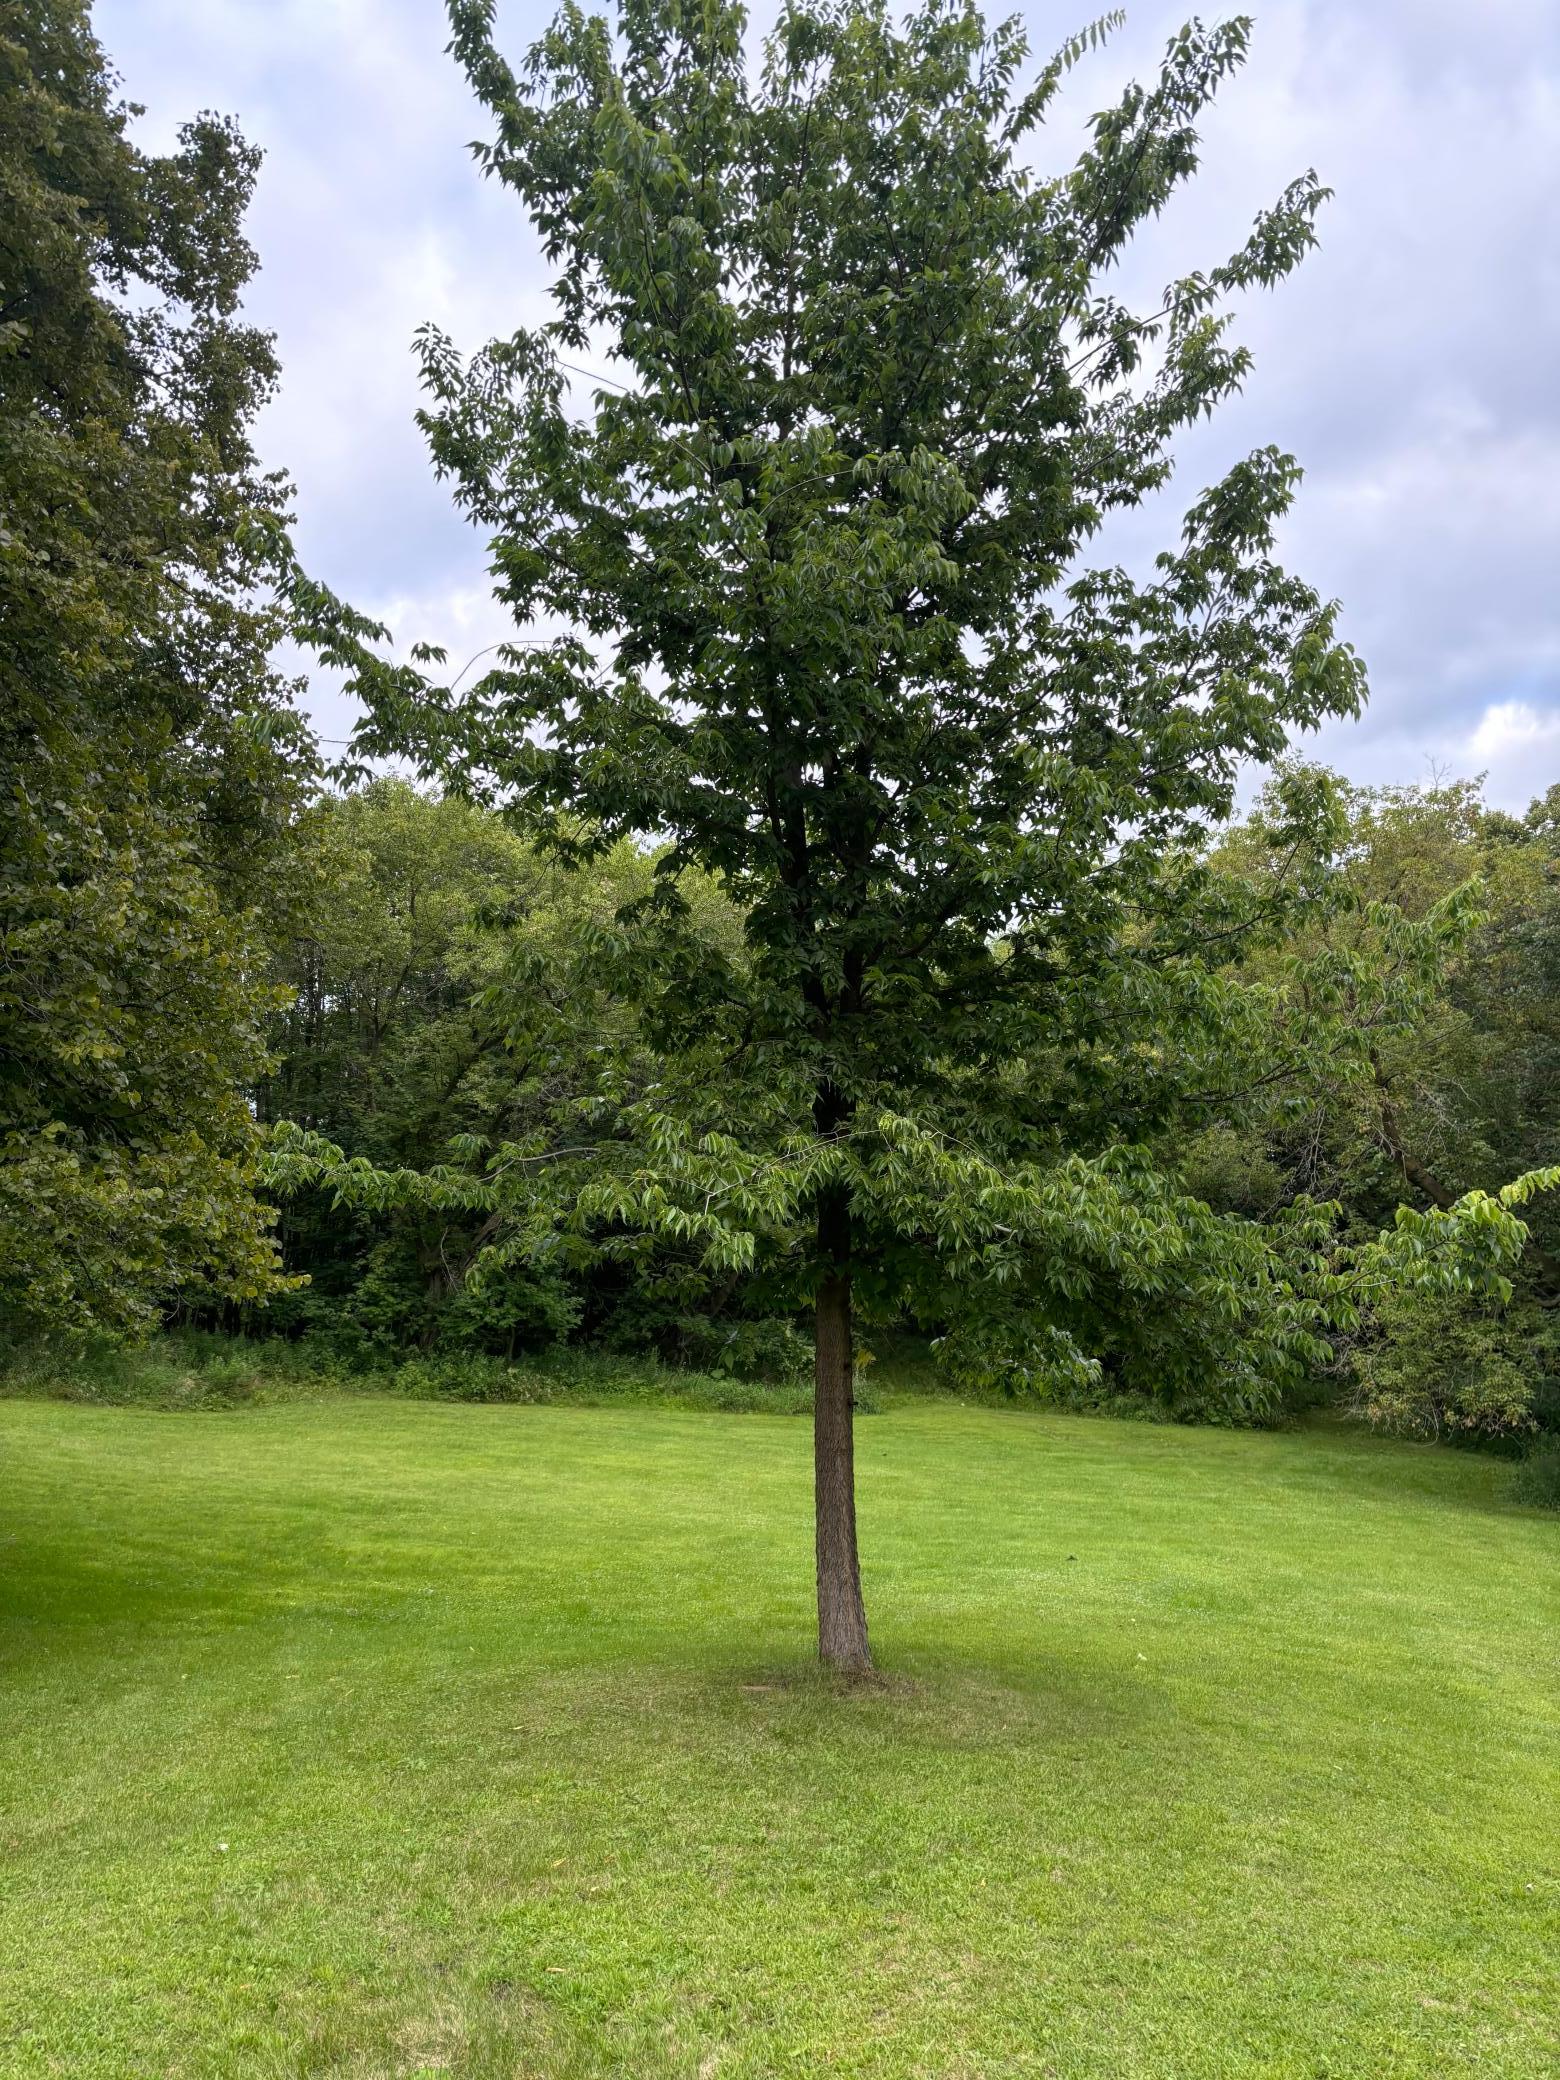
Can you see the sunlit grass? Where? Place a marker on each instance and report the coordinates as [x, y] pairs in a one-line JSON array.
[[363, 1737]]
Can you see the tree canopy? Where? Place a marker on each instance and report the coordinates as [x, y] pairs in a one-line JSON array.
[[149, 756]]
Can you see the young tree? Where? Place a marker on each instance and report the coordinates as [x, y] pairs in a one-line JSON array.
[[816, 548], [149, 759]]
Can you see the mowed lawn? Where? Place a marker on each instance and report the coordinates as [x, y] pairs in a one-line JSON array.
[[376, 1738]]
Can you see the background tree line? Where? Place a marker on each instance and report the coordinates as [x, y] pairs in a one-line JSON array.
[[445, 996]]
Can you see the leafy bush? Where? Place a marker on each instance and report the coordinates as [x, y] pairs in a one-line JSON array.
[[984, 1359], [405, 1298], [767, 1351], [197, 1370], [188, 1371], [1447, 1365], [590, 1379]]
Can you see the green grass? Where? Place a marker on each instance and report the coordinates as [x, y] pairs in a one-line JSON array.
[[368, 1738]]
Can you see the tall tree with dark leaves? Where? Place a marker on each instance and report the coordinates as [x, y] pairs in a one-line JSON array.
[[807, 558], [149, 756]]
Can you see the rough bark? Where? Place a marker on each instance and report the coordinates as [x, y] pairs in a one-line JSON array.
[[842, 1617]]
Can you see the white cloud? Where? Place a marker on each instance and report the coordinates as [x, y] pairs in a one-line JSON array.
[[1410, 364], [1513, 744], [1513, 729]]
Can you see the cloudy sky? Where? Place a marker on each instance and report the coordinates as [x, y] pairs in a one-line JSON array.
[[1413, 364]]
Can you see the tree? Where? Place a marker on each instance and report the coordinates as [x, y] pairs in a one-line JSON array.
[[439, 1007], [383, 968], [1434, 953], [816, 550], [150, 761]]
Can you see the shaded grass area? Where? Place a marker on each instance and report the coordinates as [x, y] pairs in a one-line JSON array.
[[367, 1738]]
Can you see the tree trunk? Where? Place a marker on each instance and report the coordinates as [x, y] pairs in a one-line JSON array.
[[842, 1617]]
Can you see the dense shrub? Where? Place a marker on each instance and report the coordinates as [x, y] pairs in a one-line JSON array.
[[189, 1371], [1443, 1365], [199, 1370]]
